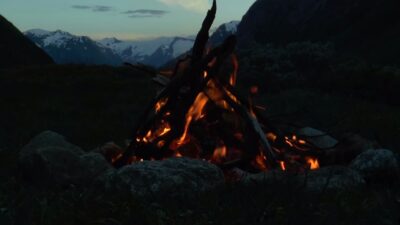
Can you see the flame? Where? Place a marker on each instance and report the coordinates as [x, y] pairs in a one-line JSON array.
[[314, 164], [260, 161], [160, 144], [282, 164], [271, 136], [160, 104], [194, 113], [235, 63], [205, 74], [303, 142], [219, 153], [165, 131]]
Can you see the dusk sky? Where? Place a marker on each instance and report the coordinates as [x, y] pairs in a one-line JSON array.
[[124, 19]]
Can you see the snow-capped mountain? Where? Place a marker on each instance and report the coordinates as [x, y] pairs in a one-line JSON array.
[[223, 31], [66, 48], [218, 35], [154, 52], [166, 53]]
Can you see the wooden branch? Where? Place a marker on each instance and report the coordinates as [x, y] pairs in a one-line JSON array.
[[202, 36], [254, 125]]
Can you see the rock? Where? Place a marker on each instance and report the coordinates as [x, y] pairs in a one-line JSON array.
[[377, 165], [109, 150], [49, 139], [51, 166], [52, 161], [5, 217], [94, 165], [333, 178], [317, 138], [329, 178], [349, 147], [174, 177]]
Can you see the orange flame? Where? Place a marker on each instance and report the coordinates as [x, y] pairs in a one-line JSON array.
[[194, 113], [314, 164], [260, 161], [282, 164], [160, 104], [271, 136], [219, 153], [235, 63]]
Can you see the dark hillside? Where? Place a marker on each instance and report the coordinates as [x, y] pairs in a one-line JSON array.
[[17, 50], [363, 28]]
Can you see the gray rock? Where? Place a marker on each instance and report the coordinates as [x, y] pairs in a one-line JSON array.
[[49, 139], [5, 217], [50, 160], [94, 165], [327, 178], [333, 178], [377, 164], [175, 177], [317, 138]]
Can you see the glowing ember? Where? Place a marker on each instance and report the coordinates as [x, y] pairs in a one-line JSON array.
[[260, 162], [282, 164], [160, 104], [219, 154], [313, 163]]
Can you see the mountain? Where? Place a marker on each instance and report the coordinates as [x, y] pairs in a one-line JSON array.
[[223, 31], [166, 53], [154, 52], [363, 28], [66, 48], [16, 49]]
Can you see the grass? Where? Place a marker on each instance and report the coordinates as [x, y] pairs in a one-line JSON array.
[[91, 105]]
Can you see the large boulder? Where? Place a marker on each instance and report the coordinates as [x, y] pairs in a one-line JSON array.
[[49, 159], [174, 177], [377, 165]]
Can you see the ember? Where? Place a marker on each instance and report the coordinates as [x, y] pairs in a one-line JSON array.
[[199, 114]]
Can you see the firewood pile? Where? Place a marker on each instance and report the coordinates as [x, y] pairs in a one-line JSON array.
[[200, 114]]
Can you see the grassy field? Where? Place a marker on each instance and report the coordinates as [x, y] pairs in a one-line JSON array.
[[92, 105], [89, 105]]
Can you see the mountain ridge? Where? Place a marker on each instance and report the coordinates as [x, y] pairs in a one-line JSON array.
[[16, 49]]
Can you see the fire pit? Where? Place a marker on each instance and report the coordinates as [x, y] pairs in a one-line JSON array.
[[199, 114]]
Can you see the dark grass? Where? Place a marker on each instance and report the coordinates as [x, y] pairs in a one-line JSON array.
[[91, 105]]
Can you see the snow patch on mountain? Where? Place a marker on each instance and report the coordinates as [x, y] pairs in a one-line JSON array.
[[232, 26]]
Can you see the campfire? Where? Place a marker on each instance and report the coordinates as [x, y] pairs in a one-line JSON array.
[[200, 114]]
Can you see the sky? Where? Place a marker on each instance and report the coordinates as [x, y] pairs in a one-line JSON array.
[[123, 19]]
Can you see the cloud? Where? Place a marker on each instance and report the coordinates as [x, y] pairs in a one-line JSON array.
[[94, 8], [81, 7], [199, 6], [140, 13], [101, 8]]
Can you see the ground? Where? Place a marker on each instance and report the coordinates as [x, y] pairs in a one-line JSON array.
[[92, 105]]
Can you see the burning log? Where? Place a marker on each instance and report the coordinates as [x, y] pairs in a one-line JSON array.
[[199, 114]]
